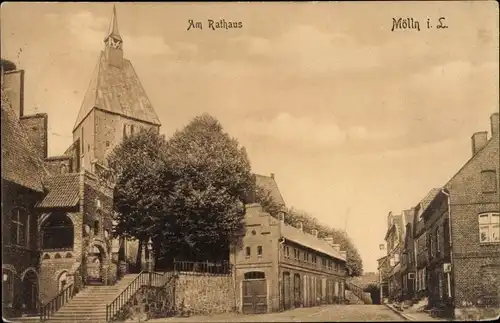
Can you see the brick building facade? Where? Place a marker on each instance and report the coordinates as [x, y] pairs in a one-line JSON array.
[[456, 236], [280, 267], [59, 223]]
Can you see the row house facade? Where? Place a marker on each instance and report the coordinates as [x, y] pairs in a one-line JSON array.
[[456, 237], [281, 267]]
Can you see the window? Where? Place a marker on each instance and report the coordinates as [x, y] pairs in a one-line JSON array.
[[305, 256], [96, 227], [323, 262], [438, 244], [57, 232], [287, 253], [124, 131], [489, 181], [247, 253], [396, 258], [255, 275], [259, 251], [19, 230], [131, 129], [314, 259], [489, 229]]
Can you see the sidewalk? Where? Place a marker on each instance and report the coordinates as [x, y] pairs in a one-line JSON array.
[[411, 314]]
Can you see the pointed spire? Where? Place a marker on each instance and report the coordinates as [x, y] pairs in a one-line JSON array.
[[113, 27]]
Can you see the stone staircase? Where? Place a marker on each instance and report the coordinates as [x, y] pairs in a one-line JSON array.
[[89, 305]]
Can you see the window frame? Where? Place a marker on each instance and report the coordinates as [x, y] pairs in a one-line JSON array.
[[490, 226], [16, 224], [248, 252], [259, 251], [485, 188]]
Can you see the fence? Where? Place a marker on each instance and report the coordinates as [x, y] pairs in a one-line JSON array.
[[206, 267]]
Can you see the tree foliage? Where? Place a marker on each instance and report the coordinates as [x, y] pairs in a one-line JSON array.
[[211, 177], [138, 166], [186, 193], [354, 262]]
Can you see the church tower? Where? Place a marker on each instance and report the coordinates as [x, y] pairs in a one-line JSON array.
[[115, 104]]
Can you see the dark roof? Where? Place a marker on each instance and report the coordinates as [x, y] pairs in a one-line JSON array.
[[117, 90], [269, 184], [19, 162], [63, 191], [421, 207], [307, 240]]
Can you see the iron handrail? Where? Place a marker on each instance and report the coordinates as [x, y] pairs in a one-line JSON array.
[[47, 310], [357, 291], [144, 278]]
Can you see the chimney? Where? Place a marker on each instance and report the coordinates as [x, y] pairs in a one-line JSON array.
[[300, 226], [36, 127], [336, 247], [272, 175], [315, 232], [281, 216], [479, 140], [329, 240], [495, 123]]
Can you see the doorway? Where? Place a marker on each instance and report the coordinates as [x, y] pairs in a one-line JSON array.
[[254, 293]]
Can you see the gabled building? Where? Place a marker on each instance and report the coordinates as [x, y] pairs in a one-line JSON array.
[[420, 244], [57, 231], [394, 242], [280, 267], [115, 104], [473, 201]]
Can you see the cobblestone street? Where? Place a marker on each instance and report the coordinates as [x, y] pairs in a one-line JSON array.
[[335, 313]]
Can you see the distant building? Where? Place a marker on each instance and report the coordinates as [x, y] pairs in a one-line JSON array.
[[280, 267]]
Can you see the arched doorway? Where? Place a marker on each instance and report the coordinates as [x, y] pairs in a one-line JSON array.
[[30, 292], [95, 262], [254, 292]]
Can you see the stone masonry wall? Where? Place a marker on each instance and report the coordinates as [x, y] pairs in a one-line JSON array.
[[205, 294]]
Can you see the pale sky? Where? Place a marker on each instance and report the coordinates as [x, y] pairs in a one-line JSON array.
[[351, 117]]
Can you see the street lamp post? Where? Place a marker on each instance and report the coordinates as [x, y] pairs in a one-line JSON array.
[[150, 260]]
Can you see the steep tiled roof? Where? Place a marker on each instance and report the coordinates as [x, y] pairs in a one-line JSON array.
[[309, 241], [63, 191], [269, 184], [119, 91], [420, 209], [19, 164]]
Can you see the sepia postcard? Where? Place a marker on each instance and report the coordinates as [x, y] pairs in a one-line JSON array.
[[250, 161]]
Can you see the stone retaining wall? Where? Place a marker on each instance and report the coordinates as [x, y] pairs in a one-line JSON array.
[[205, 294]]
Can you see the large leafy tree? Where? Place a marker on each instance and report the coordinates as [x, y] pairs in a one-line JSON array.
[[211, 176], [138, 165], [354, 262]]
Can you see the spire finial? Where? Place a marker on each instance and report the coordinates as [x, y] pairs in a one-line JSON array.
[[113, 26]]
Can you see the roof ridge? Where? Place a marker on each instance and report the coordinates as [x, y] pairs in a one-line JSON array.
[[88, 91]]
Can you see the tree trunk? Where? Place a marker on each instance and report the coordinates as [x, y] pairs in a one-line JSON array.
[[138, 261]]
